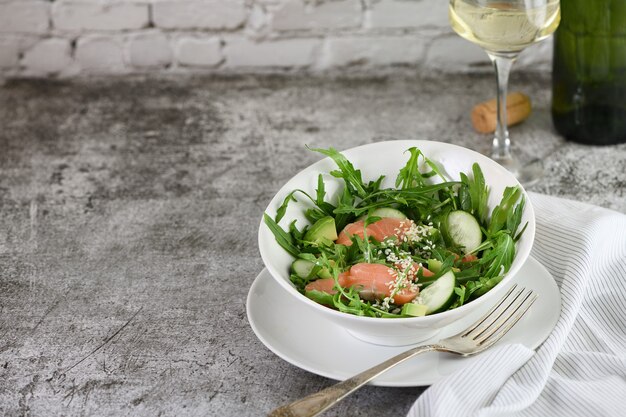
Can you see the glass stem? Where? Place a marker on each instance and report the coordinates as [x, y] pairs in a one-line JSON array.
[[501, 147]]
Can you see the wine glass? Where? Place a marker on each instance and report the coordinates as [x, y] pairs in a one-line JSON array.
[[503, 28]]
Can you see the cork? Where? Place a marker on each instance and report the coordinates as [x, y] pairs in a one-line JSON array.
[[484, 115]]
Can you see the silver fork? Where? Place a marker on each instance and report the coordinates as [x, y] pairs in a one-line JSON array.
[[478, 337]]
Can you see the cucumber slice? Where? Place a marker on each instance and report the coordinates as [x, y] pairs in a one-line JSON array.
[[386, 212], [302, 268], [439, 295], [323, 229], [463, 230], [305, 269], [389, 212], [415, 310]]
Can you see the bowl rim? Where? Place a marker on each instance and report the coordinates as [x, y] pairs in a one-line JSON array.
[[522, 256]]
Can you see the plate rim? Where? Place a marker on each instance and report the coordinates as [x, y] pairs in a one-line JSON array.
[[426, 381]]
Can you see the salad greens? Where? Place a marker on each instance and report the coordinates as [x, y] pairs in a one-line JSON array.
[[445, 249]]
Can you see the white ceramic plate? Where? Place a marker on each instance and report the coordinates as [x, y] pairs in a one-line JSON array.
[[313, 343]]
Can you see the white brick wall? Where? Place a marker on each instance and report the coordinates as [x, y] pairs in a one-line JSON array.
[[242, 52], [49, 56], [296, 15], [198, 14], [24, 16], [91, 15], [72, 37], [9, 53], [150, 50], [409, 14], [199, 52], [100, 54], [377, 50]]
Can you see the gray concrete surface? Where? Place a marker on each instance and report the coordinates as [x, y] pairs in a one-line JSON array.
[[128, 219]]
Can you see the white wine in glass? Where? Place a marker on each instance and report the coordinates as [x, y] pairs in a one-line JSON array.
[[503, 28]]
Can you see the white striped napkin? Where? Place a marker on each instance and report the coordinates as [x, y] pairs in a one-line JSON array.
[[580, 370]]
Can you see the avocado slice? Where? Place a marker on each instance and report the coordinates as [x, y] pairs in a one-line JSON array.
[[323, 229], [415, 310]]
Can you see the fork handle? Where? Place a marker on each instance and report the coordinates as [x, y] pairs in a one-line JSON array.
[[326, 398]]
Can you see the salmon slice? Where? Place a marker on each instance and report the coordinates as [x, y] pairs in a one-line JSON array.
[[375, 282], [327, 284], [372, 281], [470, 257], [412, 272], [384, 228]]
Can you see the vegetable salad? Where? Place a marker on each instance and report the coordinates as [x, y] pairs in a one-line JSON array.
[[427, 245]]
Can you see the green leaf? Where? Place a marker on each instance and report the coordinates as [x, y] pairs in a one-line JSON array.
[[314, 214], [503, 211], [473, 194], [480, 194], [460, 291], [280, 213], [409, 176], [498, 260], [323, 207], [321, 191], [294, 232], [486, 285], [283, 238], [515, 219], [350, 175], [464, 196], [344, 211]]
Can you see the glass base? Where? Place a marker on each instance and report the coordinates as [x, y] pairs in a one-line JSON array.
[[527, 174]]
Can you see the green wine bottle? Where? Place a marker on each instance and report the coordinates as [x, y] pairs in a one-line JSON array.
[[589, 72]]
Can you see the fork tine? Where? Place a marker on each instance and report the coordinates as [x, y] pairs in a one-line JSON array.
[[489, 313], [510, 321], [498, 314]]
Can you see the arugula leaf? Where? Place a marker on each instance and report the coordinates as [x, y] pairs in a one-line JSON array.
[[498, 260], [463, 195], [280, 213], [283, 238], [468, 274], [417, 198], [295, 233], [410, 176], [503, 211], [374, 186], [485, 285], [515, 218], [350, 175], [461, 292], [479, 193], [321, 190], [367, 250], [314, 214], [344, 210], [324, 209]]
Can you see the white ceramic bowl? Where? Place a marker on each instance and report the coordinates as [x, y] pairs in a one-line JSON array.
[[386, 158]]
